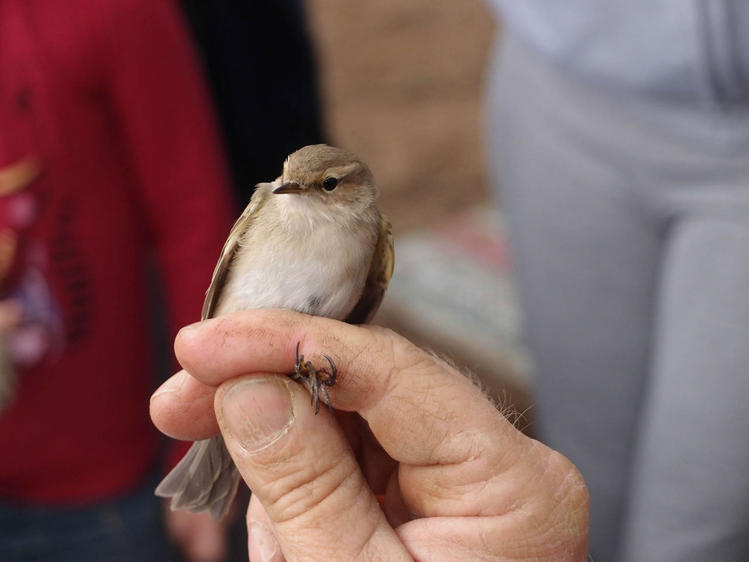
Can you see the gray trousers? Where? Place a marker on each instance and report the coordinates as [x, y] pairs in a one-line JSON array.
[[628, 221]]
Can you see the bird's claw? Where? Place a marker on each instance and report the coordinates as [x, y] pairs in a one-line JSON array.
[[316, 380]]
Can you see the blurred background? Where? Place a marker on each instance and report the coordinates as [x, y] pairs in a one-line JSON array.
[[617, 134], [403, 85]]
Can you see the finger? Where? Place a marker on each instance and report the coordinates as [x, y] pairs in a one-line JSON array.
[[262, 543], [182, 408], [199, 536], [300, 467], [493, 538]]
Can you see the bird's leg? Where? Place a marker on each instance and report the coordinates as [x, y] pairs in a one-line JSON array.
[[315, 379], [330, 376]]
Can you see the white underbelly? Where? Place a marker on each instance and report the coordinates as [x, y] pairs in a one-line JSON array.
[[313, 275]]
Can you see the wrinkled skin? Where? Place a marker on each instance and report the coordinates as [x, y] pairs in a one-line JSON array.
[[455, 480]]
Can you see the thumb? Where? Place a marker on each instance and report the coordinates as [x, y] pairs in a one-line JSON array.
[[301, 469], [198, 535]]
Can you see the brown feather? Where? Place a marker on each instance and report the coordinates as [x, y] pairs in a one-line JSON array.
[[380, 272]]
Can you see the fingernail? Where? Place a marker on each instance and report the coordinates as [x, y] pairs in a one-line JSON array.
[[257, 411], [172, 384], [263, 545]]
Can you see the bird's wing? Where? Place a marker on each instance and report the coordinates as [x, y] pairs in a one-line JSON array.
[[230, 249], [380, 272]]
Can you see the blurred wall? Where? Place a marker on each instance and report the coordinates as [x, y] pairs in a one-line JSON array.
[[402, 86]]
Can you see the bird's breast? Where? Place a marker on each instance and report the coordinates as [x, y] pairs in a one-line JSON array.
[[321, 272]]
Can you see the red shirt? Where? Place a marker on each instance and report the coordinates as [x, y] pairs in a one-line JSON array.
[[104, 103]]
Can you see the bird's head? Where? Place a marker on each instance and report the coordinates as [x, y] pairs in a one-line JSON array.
[[330, 176]]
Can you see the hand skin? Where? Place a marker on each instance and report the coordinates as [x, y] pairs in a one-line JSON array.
[[199, 537], [459, 481]]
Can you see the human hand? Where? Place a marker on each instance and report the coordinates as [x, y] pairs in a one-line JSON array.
[[459, 481], [199, 537]]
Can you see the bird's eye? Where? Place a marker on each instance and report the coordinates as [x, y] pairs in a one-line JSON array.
[[329, 184]]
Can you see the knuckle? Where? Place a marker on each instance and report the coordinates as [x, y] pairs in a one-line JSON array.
[[571, 489], [397, 362], [562, 515]]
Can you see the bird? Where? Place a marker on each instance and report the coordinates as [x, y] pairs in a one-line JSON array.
[[314, 241]]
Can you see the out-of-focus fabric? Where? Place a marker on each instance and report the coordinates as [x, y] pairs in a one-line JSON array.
[[628, 221], [693, 50], [260, 61], [122, 529], [106, 101]]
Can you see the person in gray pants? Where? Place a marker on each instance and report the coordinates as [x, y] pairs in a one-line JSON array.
[[618, 136]]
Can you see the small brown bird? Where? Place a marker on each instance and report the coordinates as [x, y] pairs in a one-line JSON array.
[[314, 241]]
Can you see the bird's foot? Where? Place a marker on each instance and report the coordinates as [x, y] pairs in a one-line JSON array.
[[316, 380]]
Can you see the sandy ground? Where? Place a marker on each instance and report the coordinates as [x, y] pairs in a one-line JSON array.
[[402, 83]]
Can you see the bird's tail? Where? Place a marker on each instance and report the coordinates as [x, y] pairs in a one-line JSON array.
[[205, 479]]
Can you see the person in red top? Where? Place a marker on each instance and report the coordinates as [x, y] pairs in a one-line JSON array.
[[108, 156]]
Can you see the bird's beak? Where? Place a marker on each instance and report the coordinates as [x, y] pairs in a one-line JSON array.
[[289, 187]]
